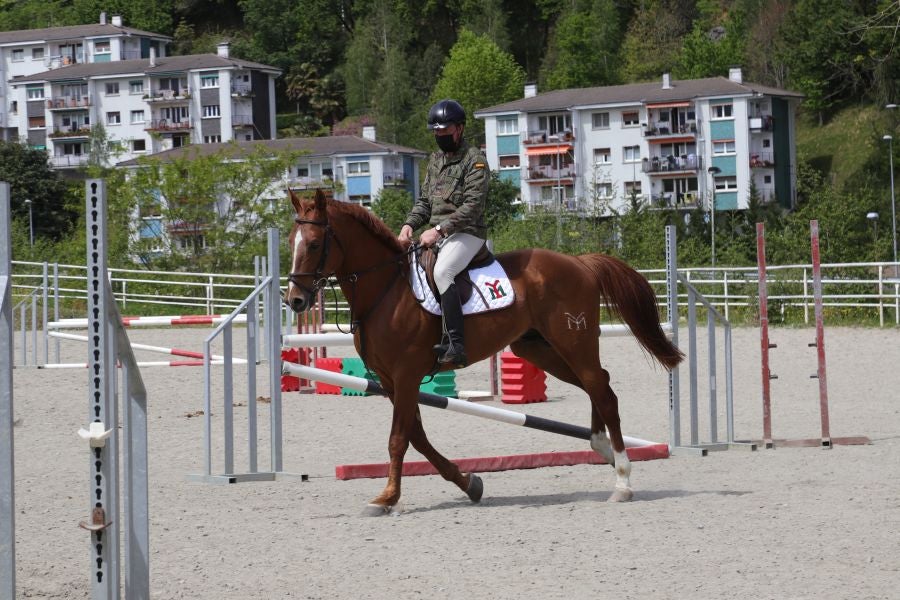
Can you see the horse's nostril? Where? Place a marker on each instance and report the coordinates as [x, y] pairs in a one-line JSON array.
[[298, 304]]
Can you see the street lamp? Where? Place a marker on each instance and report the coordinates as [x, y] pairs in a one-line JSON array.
[[890, 141], [873, 218], [30, 223], [713, 171]]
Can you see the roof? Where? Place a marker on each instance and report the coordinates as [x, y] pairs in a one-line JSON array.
[[166, 64], [73, 31], [635, 93], [313, 146]]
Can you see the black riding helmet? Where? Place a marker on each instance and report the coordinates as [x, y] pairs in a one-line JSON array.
[[444, 113]]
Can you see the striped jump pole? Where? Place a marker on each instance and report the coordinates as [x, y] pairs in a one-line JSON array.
[[461, 406], [141, 364], [149, 348], [159, 321]]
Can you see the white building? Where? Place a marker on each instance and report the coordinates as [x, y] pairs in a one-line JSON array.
[[31, 51], [668, 143]]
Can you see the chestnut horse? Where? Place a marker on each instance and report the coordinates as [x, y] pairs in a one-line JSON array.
[[395, 335]]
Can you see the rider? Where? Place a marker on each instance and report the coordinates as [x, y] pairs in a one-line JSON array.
[[452, 201]]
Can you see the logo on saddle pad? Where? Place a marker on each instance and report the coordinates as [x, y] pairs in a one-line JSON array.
[[492, 289], [495, 288]]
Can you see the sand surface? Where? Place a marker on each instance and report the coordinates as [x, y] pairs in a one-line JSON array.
[[784, 523]]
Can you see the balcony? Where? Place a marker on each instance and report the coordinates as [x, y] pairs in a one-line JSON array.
[[665, 129], [71, 132], [68, 161], [168, 96], [165, 125], [69, 103], [762, 160], [242, 91], [537, 138], [543, 173], [678, 200], [761, 123], [672, 164], [395, 179], [239, 121]]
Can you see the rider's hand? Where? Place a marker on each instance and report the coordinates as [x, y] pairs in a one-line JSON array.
[[406, 234], [430, 237]]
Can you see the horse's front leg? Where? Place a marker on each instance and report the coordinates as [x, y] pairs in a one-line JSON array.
[[404, 398]]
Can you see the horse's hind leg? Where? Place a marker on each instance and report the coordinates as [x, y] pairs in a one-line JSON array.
[[469, 483], [542, 354]]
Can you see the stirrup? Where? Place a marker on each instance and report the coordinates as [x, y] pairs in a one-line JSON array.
[[457, 359]]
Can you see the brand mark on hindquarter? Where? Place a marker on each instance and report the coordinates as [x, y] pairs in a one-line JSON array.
[[576, 322]]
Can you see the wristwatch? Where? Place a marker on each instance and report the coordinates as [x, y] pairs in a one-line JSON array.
[[440, 230]]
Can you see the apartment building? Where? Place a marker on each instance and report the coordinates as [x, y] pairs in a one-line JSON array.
[[355, 169], [28, 52], [669, 144], [59, 83]]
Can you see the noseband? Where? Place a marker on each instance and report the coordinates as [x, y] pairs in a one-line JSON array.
[[319, 275]]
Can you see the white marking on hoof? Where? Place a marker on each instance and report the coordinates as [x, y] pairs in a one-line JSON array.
[[600, 444], [621, 495], [378, 510]]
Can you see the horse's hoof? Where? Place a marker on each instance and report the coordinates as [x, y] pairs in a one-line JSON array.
[[377, 510], [475, 489], [621, 495]]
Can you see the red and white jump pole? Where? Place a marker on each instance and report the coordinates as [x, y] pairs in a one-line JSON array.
[[148, 348], [158, 321]]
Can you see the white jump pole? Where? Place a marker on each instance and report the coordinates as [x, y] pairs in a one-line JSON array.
[[148, 348]]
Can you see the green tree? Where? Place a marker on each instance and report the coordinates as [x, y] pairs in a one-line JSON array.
[[148, 15], [500, 206], [30, 177], [392, 206], [653, 40], [584, 47], [478, 74], [214, 208], [488, 18]]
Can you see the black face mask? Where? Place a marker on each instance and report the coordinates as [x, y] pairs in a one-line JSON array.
[[446, 143]]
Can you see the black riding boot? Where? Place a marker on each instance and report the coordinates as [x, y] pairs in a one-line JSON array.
[[453, 351]]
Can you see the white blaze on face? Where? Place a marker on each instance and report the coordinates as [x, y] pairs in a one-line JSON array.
[[297, 241]]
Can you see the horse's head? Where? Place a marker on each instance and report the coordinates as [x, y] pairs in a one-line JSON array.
[[314, 257]]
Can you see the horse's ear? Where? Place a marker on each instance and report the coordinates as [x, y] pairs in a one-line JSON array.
[[294, 200], [320, 199]]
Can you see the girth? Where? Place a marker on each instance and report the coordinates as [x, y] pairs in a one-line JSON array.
[[464, 285]]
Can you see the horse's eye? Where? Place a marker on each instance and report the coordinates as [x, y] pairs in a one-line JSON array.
[[315, 246]]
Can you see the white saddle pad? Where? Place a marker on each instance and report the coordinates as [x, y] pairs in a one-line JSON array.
[[492, 289]]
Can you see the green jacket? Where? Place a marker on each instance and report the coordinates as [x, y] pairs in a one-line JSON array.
[[454, 193]]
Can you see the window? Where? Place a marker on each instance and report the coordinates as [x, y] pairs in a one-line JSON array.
[[510, 161], [14, 107], [212, 139], [555, 123], [603, 190], [767, 143], [600, 120], [113, 118], [101, 47], [632, 188], [112, 88], [36, 122], [358, 168], [302, 171], [210, 110], [136, 87], [631, 154], [362, 199], [602, 156], [726, 184], [552, 193], [137, 116], [35, 92], [630, 119], [138, 145], [723, 147], [209, 81], [721, 111], [507, 126], [767, 179], [18, 55], [37, 54]]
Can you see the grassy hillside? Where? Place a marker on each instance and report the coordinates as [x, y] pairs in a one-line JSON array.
[[844, 145]]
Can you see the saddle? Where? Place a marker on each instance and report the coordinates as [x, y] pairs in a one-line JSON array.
[[428, 257]]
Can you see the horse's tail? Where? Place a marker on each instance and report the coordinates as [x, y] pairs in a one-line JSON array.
[[629, 297]]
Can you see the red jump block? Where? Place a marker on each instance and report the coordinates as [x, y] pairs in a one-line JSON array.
[[290, 383], [328, 364], [520, 381]]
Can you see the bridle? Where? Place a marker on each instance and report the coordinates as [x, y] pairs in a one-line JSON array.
[[320, 278]]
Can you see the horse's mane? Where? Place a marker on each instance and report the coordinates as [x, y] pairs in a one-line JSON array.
[[369, 221]]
